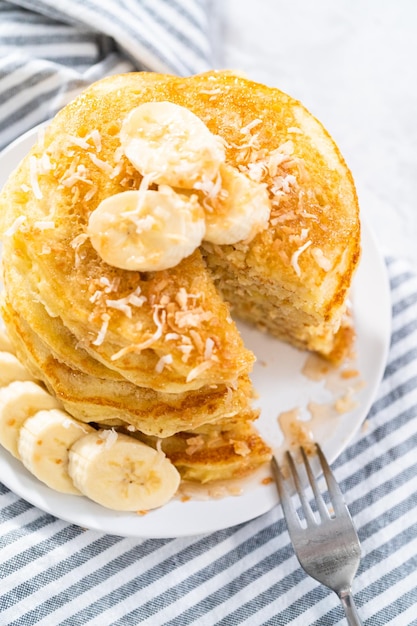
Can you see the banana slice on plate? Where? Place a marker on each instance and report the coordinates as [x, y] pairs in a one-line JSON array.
[[172, 144], [44, 442], [11, 369], [122, 473], [238, 211], [146, 230], [18, 401]]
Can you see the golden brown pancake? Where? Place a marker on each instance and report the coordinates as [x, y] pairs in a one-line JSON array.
[[91, 398], [229, 449], [159, 350]]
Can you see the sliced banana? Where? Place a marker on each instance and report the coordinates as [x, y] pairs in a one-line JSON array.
[[18, 401], [11, 369], [44, 442], [170, 143], [147, 231], [237, 212], [122, 473]]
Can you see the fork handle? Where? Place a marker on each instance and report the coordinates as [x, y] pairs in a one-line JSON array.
[[349, 606]]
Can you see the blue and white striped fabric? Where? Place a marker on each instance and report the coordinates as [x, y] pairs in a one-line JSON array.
[[54, 573], [50, 50]]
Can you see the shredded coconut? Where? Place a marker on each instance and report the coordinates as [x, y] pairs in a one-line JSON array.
[[198, 342], [96, 137], [159, 448], [105, 167], [278, 156], [109, 437], [73, 140], [186, 351], [192, 318], [182, 298], [321, 260], [136, 299], [15, 226], [284, 217], [71, 423], [104, 282], [44, 225], [125, 304], [246, 129], [198, 370], [75, 244], [148, 342], [75, 175], [120, 305], [78, 240], [90, 193], [296, 256], [164, 360], [95, 296], [45, 164], [283, 183], [256, 170], [210, 92], [103, 330], [208, 350], [171, 336]]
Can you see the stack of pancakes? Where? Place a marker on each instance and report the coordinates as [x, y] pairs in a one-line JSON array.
[[158, 353]]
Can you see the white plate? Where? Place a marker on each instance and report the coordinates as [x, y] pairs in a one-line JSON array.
[[281, 385]]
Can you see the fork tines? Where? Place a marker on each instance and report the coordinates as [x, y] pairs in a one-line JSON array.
[[336, 496]]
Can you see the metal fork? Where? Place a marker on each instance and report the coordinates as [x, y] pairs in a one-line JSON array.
[[328, 549]]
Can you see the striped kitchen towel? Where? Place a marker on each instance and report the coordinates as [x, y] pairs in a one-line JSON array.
[[51, 49], [55, 573]]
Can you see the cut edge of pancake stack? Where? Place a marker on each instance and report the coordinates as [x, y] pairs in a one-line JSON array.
[[145, 343]]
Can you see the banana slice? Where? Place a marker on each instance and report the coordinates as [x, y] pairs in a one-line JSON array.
[[147, 231], [11, 369], [170, 143], [238, 211], [122, 473], [18, 401], [44, 442]]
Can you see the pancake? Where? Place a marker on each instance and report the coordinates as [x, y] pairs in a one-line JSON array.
[[159, 350], [229, 449], [119, 402]]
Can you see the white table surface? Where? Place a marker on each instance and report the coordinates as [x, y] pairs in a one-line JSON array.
[[353, 64]]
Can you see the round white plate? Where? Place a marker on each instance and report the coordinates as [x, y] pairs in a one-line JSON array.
[[278, 378]]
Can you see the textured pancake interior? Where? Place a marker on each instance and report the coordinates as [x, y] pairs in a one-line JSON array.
[[231, 448]]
